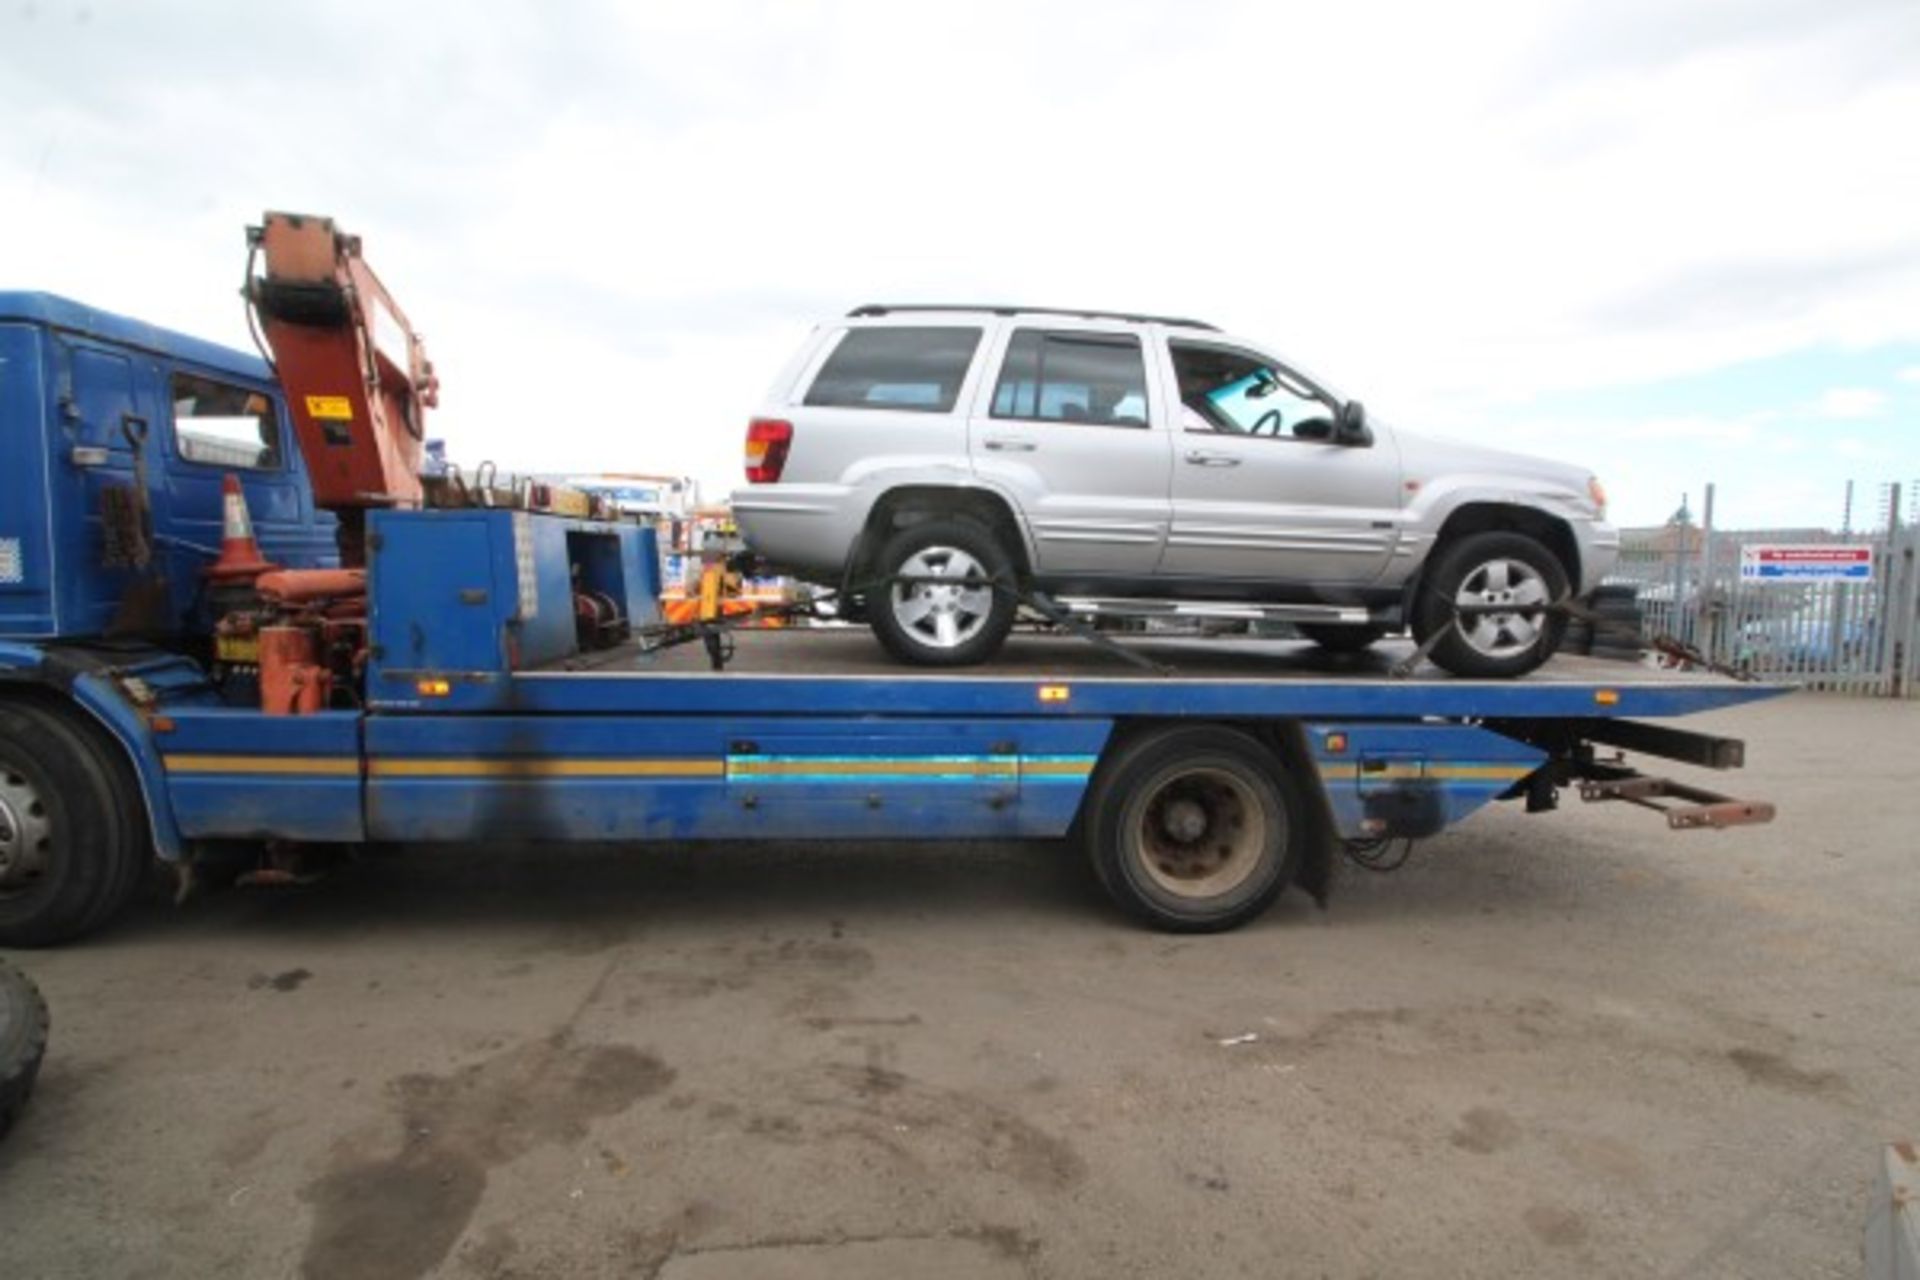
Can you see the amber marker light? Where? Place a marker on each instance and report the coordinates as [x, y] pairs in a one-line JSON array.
[[1055, 693], [434, 688]]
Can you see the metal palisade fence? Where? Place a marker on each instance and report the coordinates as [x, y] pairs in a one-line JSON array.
[[1837, 610]]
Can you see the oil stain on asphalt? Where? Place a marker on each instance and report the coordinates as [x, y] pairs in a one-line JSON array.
[[395, 1216]]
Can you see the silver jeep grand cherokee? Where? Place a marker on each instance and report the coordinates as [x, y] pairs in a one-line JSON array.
[[921, 455]]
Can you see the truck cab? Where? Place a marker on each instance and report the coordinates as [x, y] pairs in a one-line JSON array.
[[114, 438]]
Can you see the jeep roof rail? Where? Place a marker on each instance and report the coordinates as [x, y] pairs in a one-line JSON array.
[[887, 308]]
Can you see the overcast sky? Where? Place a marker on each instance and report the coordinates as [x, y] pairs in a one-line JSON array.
[[1677, 240]]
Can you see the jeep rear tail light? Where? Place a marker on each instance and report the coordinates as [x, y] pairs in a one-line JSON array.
[[768, 440]]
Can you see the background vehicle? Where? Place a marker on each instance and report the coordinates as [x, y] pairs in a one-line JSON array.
[[930, 457]]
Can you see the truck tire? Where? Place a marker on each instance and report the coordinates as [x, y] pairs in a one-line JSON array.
[[72, 845], [23, 1041], [1341, 637], [1491, 568], [1194, 829], [932, 624]]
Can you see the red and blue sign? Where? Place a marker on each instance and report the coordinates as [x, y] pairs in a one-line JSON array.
[[1806, 562]]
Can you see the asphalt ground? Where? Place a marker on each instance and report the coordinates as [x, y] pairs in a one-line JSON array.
[[1570, 1044]]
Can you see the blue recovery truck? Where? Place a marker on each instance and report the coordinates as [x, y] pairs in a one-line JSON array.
[[491, 673]]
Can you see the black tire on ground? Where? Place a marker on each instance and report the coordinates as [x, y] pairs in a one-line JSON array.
[[1194, 829], [932, 624], [73, 848], [1341, 637], [1614, 593], [1511, 645], [23, 1041]]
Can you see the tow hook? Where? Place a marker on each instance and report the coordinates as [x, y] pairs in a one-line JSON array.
[[1699, 807]]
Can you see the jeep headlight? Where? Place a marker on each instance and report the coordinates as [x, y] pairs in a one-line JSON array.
[[1598, 492]]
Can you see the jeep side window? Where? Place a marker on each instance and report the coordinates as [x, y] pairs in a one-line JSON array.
[[1238, 393], [224, 425], [916, 368], [1096, 378]]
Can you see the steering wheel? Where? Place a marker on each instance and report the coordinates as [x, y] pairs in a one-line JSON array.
[[1270, 419]]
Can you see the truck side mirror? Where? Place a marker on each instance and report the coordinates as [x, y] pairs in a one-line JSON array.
[[1351, 425]]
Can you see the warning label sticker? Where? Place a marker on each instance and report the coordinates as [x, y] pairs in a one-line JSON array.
[[1797, 562], [334, 408]]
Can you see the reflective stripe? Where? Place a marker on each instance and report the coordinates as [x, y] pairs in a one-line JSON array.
[[756, 768], [909, 768]]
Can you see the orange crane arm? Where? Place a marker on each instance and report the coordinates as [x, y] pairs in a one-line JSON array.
[[357, 380]]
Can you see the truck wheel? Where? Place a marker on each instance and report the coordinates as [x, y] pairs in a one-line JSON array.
[[1492, 568], [23, 1041], [72, 847], [943, 623], [1194, 829], [1341, 637]]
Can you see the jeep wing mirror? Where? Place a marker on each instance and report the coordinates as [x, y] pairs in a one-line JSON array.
[[1350, 427]]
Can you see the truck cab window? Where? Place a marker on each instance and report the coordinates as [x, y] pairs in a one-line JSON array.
[[223, 425], [1239, 393]]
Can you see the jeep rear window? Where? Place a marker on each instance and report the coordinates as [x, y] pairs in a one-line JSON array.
[[896, 367]]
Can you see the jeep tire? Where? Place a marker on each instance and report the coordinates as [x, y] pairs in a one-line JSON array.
[[1490, 569], [927, 621]]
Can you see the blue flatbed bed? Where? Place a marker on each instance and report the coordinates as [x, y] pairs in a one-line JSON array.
[[841, 670]]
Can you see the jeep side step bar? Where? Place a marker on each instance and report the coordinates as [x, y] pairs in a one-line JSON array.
[[1220, 610]]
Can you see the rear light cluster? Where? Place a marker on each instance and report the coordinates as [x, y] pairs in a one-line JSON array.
[[768, 440]]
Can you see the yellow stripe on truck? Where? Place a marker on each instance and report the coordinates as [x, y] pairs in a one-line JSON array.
[[331, 766]]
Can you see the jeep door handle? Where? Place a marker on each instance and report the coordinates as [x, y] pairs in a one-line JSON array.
[[1207, 458], [1010, 444]]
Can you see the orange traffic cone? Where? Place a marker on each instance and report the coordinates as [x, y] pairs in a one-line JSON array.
[[240, 557]]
